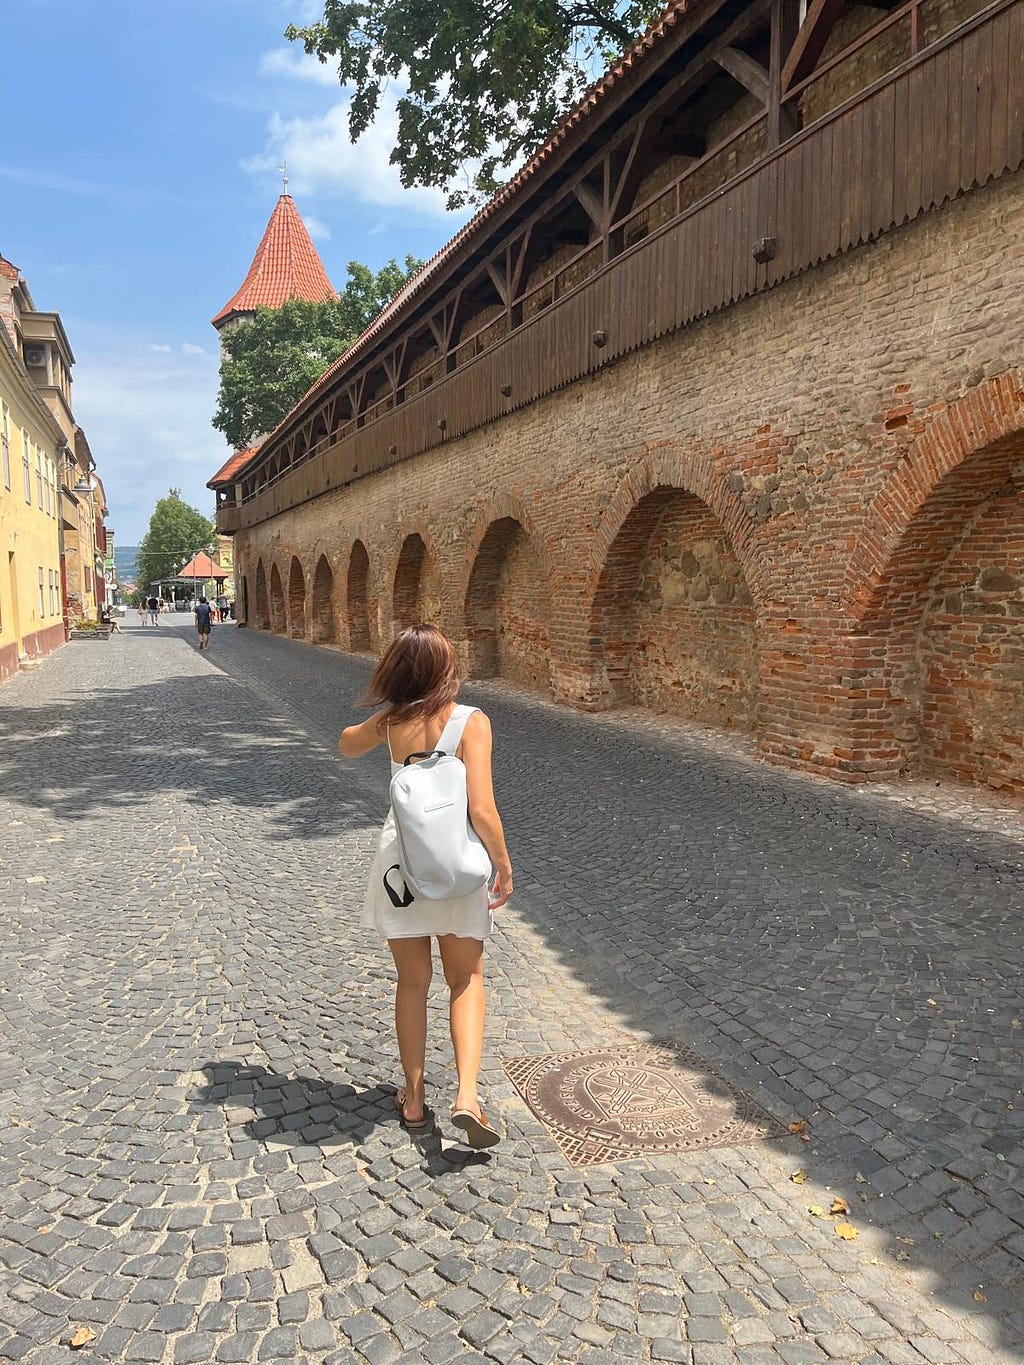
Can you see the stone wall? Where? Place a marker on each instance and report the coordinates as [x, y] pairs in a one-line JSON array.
[[801, 516]]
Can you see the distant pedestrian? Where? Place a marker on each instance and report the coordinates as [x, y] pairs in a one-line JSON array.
[[107, 618], [222, 607], [154, 611], [143, 608], [204, 616], [416, 683]]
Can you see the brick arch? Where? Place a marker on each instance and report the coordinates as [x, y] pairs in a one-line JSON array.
[[296, 600], [938, 604], [261, 599], [416, 583], [324, 630], [991, 413], [507, 600], [672, 619], [278, 616], [696, 473], [357, 604]]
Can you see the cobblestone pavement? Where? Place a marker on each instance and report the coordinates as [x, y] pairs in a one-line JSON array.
[[199, 1159]]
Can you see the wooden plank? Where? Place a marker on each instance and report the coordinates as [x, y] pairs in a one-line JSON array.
[[954, 125], [968, 109], [982, 80], [1001, 68], [935, 131], [1015, 89], [883, 133]]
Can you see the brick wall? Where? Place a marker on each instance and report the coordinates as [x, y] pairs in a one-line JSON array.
[[838, 567]]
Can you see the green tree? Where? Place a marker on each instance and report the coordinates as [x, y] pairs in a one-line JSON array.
[[270, 362], [176, 531], [483, 83]]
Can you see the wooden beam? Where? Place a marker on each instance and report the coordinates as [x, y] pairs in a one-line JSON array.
[[750, 74], [810, 41], [499, 278], [593, 204], [783, 119]]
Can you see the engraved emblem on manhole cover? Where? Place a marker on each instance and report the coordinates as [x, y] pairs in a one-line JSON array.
[[626, 1101]]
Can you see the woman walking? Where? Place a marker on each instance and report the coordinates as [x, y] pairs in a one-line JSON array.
[[416, 684]]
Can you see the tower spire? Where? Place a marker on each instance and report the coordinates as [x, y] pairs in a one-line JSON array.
[[286, 266], [283, 171]]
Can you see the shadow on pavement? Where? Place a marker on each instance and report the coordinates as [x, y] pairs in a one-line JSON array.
[[306, 1111], [845, 960], [118, 748]]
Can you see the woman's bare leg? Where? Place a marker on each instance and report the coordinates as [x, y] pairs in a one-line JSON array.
[[463, 960], [412, 958]]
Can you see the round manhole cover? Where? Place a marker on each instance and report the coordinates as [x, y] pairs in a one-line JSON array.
[[627, 1101]]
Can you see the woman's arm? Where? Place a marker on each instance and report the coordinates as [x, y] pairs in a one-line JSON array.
[[483, 812], [357, 740]]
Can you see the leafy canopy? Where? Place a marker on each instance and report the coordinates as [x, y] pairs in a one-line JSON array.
[[483, 80], [176, 531], [270, 362]]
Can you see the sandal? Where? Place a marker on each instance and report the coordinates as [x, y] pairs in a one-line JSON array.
[[413, 1125], [479, 1133]]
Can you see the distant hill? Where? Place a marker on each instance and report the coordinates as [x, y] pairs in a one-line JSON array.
[[126, 562]]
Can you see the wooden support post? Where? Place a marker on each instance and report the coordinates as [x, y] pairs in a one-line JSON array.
[[783, 119]]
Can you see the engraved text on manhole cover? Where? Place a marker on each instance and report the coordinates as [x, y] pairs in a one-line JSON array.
[[626, 1101]]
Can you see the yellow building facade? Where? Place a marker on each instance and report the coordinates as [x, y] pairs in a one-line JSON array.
[[31, 442]]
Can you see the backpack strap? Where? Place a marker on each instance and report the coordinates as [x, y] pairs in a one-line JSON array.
[[451, 736]]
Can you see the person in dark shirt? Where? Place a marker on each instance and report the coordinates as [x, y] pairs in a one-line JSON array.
[[204, 618]]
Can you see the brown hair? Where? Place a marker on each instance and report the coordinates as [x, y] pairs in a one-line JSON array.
[[417, 675]]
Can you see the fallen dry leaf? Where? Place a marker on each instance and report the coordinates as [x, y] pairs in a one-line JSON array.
[[45, 1228], [798, 1177], [14, 1121], [861, 1179], [846, 1231], [81, 1337], [797, 1126], [816, 1210], [907, 1241], [931, 1001], [979, 1297], [708, 1181], [839, 1205]]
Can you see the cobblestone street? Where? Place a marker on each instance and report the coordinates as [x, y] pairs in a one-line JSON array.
[[199, 1158]]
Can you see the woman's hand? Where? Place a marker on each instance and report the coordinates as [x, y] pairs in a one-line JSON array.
[[502, 889]]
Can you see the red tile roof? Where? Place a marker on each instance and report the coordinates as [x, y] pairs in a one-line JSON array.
[[201, 567], [232, 466], [629, 63], [286, 266]]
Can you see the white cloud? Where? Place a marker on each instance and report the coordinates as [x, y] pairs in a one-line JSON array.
[[292, 63], [159, 346], [148, 421], [322, 161], [189, 348], [317, 228]]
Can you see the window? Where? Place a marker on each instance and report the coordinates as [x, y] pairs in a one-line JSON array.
[[26, 467], [49, 582], [42, 603], [39, 479], [6, 446]]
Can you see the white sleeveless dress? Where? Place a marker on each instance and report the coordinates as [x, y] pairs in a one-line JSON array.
[[464, 916]]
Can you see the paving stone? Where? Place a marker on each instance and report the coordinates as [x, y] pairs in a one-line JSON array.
[[240, 1140]]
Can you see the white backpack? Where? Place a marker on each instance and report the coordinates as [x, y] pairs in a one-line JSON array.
[[440, 852]]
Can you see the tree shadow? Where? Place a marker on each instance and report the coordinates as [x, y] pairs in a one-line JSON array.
[[306, 1111], [112, 751]]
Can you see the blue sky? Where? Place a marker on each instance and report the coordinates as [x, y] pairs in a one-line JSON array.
[[137, 176]]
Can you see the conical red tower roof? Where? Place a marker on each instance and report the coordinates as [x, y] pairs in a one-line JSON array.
[[286, 266]]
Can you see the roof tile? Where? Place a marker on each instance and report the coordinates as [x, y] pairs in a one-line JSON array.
[[286, 266]]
